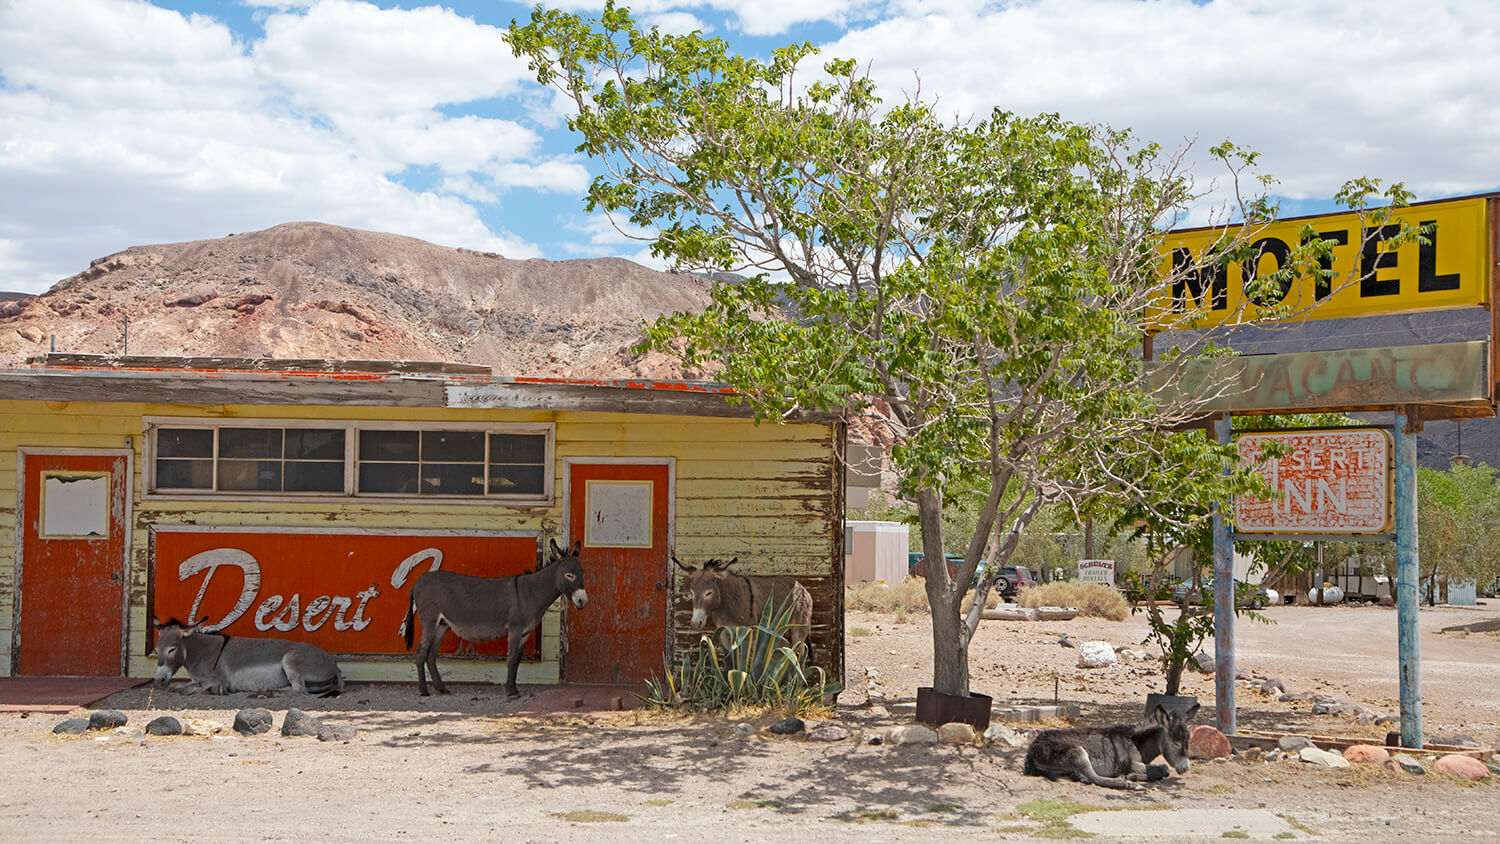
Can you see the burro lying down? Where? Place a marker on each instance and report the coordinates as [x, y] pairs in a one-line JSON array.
[[1114, 757], [220, 664]]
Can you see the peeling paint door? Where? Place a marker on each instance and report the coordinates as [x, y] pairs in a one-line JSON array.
[[621, 514], [71, 591]]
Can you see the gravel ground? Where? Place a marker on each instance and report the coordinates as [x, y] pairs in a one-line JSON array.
[[466, 765]]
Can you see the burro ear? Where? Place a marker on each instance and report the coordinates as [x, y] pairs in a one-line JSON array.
[[725, 566], [1160, 715], [685, 567], [1188, 715], [575, 548], [552, 546], [157, 623]]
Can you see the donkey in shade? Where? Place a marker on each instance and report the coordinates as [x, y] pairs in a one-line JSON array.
[[220, 664], [1114, 757], [480, 609], [724, 598]]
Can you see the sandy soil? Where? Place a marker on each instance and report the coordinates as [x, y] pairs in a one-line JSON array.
[[464, 765]]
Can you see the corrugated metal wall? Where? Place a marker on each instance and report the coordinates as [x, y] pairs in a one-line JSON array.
[[768, 494]]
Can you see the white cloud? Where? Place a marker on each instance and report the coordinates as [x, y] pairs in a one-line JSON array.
[[1325, 89], [123, 123]]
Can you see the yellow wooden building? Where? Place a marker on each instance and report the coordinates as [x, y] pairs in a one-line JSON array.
[[301, 499]]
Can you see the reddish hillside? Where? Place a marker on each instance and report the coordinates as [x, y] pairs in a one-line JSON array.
[[309, 290]]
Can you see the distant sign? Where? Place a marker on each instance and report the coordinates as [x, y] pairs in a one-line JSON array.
[[1449, 270], [1330, 481], [1097, 571]]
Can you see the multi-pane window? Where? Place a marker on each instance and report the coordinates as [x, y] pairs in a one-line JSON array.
[[452, 462], [456, 462]]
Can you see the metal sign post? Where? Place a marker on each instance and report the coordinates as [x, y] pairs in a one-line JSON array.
[[1223, 604], [1408, 638]]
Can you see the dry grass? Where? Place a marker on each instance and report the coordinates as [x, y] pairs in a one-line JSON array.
[[1089, 598], [910, 595]]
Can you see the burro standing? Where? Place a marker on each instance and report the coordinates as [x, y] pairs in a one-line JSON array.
[[724, 598], [480, 609]]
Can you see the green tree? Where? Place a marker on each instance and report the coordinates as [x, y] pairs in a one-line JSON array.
[[988, 282], [1458, 525]]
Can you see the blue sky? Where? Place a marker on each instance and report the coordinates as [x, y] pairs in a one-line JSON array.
[[124, 122]]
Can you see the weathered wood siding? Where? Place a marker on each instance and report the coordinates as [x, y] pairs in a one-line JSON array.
[[768, 494]]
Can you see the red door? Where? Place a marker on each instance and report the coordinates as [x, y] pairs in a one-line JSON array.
[[72, 579], [619, 512]]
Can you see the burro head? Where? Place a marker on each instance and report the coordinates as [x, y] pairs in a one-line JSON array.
[[569, 573], [171, 647], [1175, 725], [706, 586]]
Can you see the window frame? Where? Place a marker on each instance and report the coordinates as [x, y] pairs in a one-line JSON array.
[[352, 428]]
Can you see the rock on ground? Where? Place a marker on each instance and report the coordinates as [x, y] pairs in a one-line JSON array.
[[1405, 762], [252, 721], [337, 732], [1096, 654], [828, 732], [1292, 744], [908, 734], [1367, 753], [1319, 756], [788, 726], [1206, 742], [954, 732], [106, 719], [165, 725], [299, 723], [1459, 765], [72, 727]]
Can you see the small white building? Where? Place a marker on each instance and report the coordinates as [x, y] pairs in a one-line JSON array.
[[875, 551]]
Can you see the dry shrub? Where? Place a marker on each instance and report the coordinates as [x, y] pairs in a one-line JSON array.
[[910, 594], [1093, 599]]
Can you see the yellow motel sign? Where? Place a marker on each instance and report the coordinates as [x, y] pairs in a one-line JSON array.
[[1370, 275]]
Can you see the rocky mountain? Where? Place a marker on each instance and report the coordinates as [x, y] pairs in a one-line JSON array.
[[310, 290]]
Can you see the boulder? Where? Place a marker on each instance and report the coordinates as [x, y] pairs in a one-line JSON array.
[[299, 723], [1251, 754], [1459, 765], [828, 732], [1318, 756], [1292, 744], [336, 732], [744, 729], [954, 732], [1096, 654], [1367, 753], [252, 721], [106, 719], [165, 725], [911, 734], [788, 726], [1206, 742], [72, 727], [1206, 664], [1405, 762], [1002, 734]]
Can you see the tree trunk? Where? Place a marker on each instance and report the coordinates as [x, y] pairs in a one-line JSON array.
[[950, 642], [1174, 676]]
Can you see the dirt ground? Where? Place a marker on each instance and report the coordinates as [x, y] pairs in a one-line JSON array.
[[465, 765]]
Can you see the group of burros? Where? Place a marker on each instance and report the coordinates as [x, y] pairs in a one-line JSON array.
[[476, 609], [481, 609]]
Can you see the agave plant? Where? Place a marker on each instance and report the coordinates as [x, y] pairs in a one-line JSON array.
[[743, 666]]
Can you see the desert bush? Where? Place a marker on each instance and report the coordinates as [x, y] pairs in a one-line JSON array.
[[1093, 599], [910, 594]]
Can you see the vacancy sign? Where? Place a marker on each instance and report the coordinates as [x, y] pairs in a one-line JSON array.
[[1330, 481]]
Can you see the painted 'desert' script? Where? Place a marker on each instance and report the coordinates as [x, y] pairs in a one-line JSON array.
[[346, 592]]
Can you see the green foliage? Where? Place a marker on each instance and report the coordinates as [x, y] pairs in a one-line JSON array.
[[756, 666], [983, 286], [1458, 523]]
